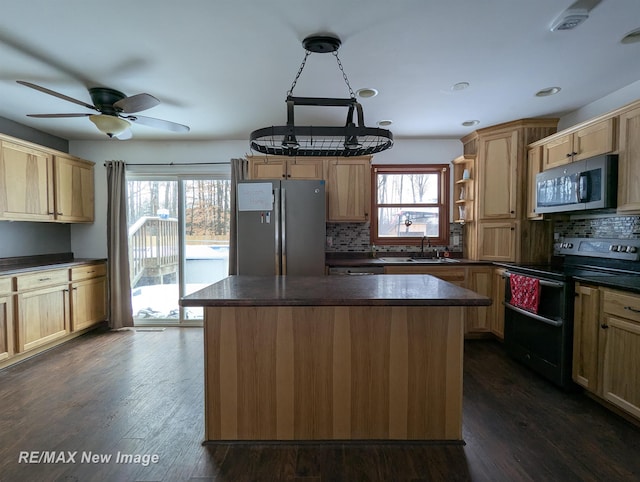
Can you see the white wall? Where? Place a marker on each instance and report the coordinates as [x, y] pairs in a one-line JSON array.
[[608, 103], [89, 241]]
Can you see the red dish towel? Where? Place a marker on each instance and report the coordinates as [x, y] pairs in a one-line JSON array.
[[525, 292]]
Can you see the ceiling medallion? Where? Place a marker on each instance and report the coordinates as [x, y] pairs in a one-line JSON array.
[[352, 139]]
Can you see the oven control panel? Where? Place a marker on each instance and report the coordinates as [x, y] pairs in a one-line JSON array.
[[626, 249]]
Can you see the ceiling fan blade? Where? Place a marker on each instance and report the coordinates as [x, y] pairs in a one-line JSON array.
[[136, 103], [56, 94], [48, 116], [158, 123], [124, 135]]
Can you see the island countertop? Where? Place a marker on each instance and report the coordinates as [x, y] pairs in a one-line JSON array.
[[366, 290]]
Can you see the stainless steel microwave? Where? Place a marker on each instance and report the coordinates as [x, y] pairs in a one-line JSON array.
[[579, 186]]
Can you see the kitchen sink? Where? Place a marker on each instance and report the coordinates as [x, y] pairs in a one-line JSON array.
[[412, 260]]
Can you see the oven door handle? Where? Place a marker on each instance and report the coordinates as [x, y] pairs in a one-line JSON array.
[[548, 321], [543, 282]]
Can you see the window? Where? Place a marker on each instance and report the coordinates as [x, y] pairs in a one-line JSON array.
[[410, 202]]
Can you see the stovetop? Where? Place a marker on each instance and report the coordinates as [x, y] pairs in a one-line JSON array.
[[611, 262]]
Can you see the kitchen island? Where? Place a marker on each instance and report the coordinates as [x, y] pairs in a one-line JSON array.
[[375, 357]]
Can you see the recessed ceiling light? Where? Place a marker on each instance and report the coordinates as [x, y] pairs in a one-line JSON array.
[[471, 123], [460, 86], [548, 91], [632, 37], [367, 92], [384, 123]]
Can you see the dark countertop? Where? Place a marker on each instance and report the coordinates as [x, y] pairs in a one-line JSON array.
[[370, 290], [13, 266], [352, 262], [620, 282]]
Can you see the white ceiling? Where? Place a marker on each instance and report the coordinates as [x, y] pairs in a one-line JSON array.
[[224, 67]]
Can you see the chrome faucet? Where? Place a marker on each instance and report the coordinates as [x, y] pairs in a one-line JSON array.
[[422, 244]]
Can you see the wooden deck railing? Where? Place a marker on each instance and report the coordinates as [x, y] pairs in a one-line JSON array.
[[153, 247]]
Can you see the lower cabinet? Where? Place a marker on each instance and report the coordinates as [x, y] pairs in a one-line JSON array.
[[42, 316], [6, 319], [607, 345], [88, 303]]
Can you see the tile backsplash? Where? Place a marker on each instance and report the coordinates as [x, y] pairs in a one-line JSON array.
[[619, 227], [354, 237]]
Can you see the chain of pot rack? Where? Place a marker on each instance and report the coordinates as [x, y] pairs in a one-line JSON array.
[[304, 62]]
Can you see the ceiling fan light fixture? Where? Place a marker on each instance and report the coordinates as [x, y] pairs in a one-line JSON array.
[[109, 125]]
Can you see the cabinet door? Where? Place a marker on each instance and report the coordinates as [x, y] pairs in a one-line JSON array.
[[88, 303], [497, 241], [348, 197], [629, 161], [42, 317], [6, 327], [26, 185], [312, 169], [557, 152], [593, 140], [497, 320], [585, 336], [73, 190], [534, 166], [497, 170], [478, 318], [267, 168]]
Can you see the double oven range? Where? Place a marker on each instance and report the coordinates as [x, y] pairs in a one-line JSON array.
[[543, 339]]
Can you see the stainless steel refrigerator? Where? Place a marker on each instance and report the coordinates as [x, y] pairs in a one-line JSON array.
[[281, 227]]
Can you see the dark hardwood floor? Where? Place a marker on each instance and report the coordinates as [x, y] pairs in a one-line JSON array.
[[141, 393]]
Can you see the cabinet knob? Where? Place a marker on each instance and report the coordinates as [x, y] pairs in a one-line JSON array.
[[574, 153], [604, 326], [569, 154]]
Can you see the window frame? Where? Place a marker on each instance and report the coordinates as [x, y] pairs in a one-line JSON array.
[[443, 204]]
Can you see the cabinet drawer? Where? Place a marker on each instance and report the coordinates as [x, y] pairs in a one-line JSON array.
[[42, 278], [88, 271], [5, 286], [622, 304]]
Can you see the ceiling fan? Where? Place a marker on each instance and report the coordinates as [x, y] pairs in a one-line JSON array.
[[114, 109]]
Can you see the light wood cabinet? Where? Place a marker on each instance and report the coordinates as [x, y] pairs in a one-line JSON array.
[[26, 183], [88, 296], [42, 313], [6, 319], [497, 318], [39, 184], [619, 348], [497, 176], [585, 142], [585, 336], [497, 241], [629, 161], [276, 167], [74, 190], [501, 230], [480, 280], [348, 189]]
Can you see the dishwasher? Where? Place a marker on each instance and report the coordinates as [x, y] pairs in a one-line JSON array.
[[355, 270]]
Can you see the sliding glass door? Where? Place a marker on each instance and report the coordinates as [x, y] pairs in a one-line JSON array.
[[178, 243]]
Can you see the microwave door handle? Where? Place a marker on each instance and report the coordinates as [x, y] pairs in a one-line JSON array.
[[583, 188]]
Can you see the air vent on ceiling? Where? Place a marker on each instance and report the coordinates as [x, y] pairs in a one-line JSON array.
[[570, 19]]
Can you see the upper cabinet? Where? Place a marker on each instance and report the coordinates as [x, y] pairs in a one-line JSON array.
[[39, 184], [26, 183], [585, 142], [463, 188], [501, 230], [347, 181], [629, 161], [276, 167]]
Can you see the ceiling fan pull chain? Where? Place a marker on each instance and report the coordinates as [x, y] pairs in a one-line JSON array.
[[304, 61], [344, 75]]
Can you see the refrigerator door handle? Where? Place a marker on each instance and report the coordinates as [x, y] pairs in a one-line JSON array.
[[276, 231], [283, 225]]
